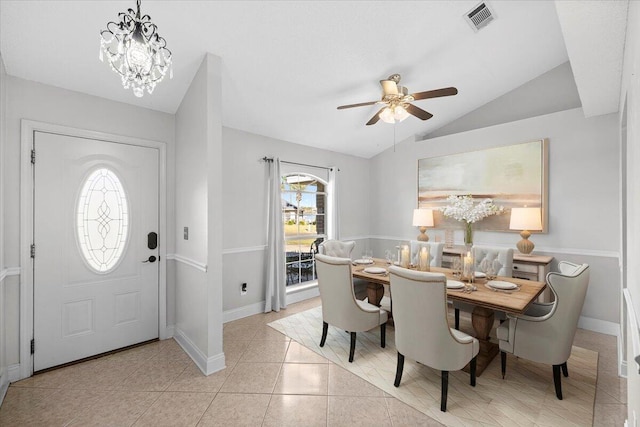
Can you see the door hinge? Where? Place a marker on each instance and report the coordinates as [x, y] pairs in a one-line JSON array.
[[33, 251], [33, 346], [33, 156]]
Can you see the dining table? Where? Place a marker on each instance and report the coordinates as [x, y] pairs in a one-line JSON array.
[[481, 294]]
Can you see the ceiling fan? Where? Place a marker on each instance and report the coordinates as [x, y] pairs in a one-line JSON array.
[[396, 101]]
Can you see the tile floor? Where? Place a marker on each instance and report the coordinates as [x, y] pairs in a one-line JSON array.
[[269, 381]]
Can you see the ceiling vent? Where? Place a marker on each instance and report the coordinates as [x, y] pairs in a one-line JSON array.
[[479, 16]]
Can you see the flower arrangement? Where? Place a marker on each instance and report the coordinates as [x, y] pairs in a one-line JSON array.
[[462, 208]]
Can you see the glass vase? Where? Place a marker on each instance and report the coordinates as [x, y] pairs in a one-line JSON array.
[[468, 234]]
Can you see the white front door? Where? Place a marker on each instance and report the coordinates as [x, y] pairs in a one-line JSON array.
[[95, 265]]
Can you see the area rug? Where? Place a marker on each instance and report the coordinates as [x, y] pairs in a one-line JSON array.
[[526, 397]]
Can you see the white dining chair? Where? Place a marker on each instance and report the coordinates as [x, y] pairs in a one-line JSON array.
[[545, 332], [340, 308], [501, 259], [337, 248], [422, 332], [435, 252]]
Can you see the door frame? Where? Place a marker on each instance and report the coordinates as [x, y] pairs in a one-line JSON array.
[[27, 132]]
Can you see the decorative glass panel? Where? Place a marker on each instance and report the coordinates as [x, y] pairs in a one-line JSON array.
[[102, 220]]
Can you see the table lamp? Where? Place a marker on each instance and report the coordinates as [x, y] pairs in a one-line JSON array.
[[525, 219], [423, 218]]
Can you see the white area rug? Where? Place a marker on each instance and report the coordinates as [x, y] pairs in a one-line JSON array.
[[526, 397]]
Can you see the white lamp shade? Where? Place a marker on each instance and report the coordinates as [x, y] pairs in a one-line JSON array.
[[525, 219], [422, 218]]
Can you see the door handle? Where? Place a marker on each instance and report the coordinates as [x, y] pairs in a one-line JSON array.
[[151, 259]]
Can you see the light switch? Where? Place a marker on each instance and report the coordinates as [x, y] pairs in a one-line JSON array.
[[186, 233]]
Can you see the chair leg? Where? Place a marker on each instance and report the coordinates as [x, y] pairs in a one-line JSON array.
[[399, 368], [565, 370], [456, 316], [503, 362], [353, 346], [557, 381], [445, 387], [383, 335], [325, 327], [472, 371]]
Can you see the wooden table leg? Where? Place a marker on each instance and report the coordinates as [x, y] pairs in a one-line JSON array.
[[482, 321], [375, 292]]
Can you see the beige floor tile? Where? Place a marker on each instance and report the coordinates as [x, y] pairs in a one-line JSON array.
[[265, 351], [233, 350], [298, 353], [609, 415], [303, 378], [192, 379], [357, 411], [176, 409], [20, 401], [344, 383], [239, 331], [122, 408], [229, 409], [252, 378], [267, 333], [292, 410], [153, 376], [404, 415]]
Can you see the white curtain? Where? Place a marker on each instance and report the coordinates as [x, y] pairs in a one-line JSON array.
[[333, 217], [275, 269]]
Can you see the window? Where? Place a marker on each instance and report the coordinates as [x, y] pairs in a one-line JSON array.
[[304, 221], [102, 220]]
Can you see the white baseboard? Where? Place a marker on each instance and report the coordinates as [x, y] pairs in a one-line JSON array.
[[4, 386], [241, 312], [600, 326], [14, 373], [623, 369], [208, 365]]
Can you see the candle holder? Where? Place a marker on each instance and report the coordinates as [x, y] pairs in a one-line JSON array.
[[467, 266], [423, 259], [405, 257]]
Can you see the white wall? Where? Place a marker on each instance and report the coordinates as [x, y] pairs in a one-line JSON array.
[[198, 290], [630, 92], [38, 102], [583, 195], [244, 201], [4, 380]]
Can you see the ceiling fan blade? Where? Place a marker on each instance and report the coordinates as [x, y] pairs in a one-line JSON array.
[[418, 112], [447, 91], [362, 104], [375, 118]]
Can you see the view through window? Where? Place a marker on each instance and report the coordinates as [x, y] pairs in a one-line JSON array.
[[304, 200]]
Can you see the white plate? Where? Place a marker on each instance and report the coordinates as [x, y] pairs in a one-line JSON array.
[[375, 270], [497, 284], [479, 275], [363, 261], [454, 284]]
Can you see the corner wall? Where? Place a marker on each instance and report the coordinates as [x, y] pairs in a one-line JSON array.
[[583, 197], [630, 93], [198, 257], [4, 377]]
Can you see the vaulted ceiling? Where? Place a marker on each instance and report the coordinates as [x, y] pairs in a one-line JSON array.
[[287, 65]]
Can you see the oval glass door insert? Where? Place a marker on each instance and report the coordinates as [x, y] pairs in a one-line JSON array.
[[102, 220]]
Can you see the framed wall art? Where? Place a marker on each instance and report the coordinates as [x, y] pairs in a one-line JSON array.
[[512, 175]]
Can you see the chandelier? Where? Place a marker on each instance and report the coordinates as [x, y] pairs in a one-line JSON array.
[[134, 50]]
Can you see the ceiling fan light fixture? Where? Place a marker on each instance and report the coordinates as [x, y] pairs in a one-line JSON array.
[[134, 50], [393, 114], [387, 116], [400, 113]]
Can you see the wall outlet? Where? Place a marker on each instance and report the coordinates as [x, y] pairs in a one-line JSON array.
[[243, 289], [186, 233]]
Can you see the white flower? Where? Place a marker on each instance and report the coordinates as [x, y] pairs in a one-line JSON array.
[[461, 208]]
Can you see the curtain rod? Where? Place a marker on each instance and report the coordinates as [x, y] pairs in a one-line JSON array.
[[270, 159]]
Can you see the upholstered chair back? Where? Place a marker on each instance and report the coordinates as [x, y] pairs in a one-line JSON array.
[[545, 333], [501, 258], [420, 316], [339, 305], [435, 252], [337, 248]]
